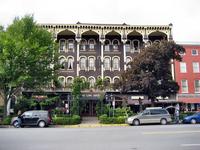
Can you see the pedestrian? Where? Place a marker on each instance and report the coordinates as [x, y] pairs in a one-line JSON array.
[[177, 111]]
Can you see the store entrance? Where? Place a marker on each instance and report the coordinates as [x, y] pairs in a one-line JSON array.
[[89, 108]]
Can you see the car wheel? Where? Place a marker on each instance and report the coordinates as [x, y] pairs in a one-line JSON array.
[[163, 121], [136, 122], [193, 121], [41, 124], [16, 124]]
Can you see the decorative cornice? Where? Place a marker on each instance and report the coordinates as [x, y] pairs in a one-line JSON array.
[[106, 26]]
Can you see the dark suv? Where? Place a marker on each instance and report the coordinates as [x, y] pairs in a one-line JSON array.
[[39, 118]]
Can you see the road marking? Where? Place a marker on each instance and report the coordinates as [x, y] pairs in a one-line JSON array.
[[189, 145], [169, 132]]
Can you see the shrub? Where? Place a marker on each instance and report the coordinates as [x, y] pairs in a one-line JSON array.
[[182, 115], [112, 120], [67, 120], [6, 120]]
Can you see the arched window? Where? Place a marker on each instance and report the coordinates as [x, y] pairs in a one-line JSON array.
[[91, 43], [62, 45], [128, 59], [91, 81], [70, 45], [61, 80], [128, 46], [136, 45], [116, 63], [70, 62], [83, 45], [62, 61], [83, 78], [83, 63], [107, 63], [69, 81], [116, 79], [91, 63], [107, 45], [115, 44], [108, 80]]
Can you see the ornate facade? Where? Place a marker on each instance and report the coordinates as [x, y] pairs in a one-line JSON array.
[[94, 51]]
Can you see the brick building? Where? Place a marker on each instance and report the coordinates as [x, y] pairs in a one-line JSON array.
[[93, 51], [187, 74]]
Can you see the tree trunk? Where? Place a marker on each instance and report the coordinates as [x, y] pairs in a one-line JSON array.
[[140, 103], [152, 103]]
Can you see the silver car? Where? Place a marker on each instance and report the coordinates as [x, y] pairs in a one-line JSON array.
[[151, 115]]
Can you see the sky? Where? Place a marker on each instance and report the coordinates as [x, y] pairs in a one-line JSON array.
[[183, 14]]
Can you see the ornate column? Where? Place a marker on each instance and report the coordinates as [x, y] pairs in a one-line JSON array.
[[170, 37], [78, 39], [102, 40], [124, 40], [145, 37]]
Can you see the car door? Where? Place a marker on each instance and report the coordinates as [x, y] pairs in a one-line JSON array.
[[155, 116], [145, 117], [26, 118], [35, 118]]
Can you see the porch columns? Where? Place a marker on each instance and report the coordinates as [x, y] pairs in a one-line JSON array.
[[102, 54], [78, 39]]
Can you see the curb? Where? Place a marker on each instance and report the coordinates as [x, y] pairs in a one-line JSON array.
[[89, 125], [78, 126]]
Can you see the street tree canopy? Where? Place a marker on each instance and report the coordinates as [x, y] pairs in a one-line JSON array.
[[150, 71], [27, 57]]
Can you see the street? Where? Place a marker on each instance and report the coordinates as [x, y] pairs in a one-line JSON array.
[[148, 137]]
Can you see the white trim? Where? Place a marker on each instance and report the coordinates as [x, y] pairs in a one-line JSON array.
[[91, 78], [68, 57], [108, 77], [64, 81], [104, 62], [83, 77], [94, 63], [118, 42], [113, 58], [68, 78], [85, 62], [67, 44], [64, 48], [115, 77]]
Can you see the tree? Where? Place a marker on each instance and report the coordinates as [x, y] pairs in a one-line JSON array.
[[150, 71], [27, 56], [77, 86]]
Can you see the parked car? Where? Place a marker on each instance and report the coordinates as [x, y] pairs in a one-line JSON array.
[[39, 118], [193, 119], [150, 115]]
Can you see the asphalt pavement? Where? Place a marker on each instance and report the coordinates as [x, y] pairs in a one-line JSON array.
[[146, 137]]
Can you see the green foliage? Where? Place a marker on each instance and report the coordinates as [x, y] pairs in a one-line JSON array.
[[150, 71], [27, 53], [120, 115], [6, 120], [77, 85], [185, 114], [66, 120], [25, 104], [112, 120]]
